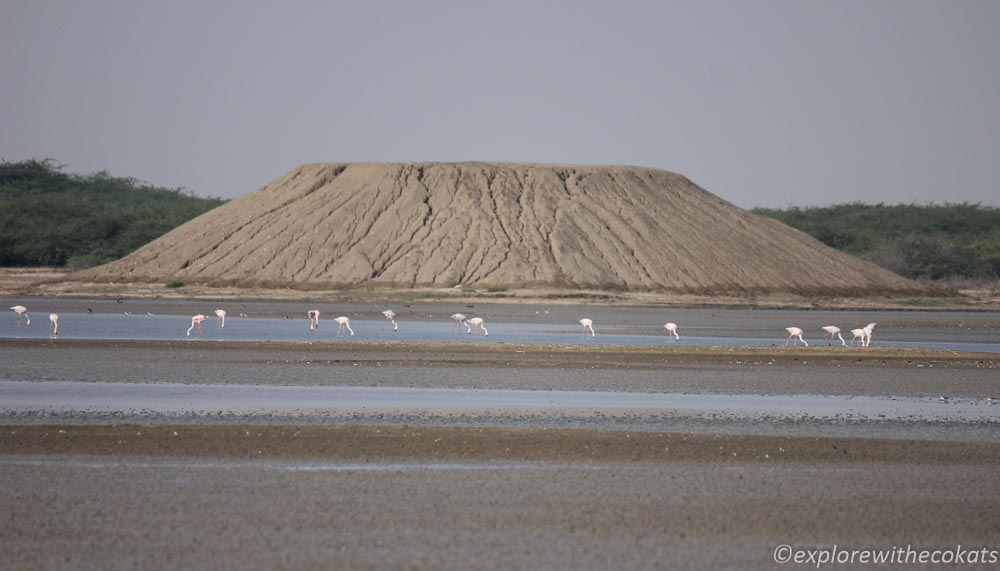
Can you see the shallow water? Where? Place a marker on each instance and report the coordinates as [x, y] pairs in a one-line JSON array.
[[174, 327], [105, 463], [152, 399]]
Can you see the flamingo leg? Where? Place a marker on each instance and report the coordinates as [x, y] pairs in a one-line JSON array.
[[787, 338]]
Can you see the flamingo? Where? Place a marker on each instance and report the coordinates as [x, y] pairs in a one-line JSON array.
[[344, 322], [196, 323], [588, 324], [858, 333], [19, 310], [459, 319], [390, 316], [313, 319], [672, 330], [832, 330], [797, 334], [869, 329], [221, 314], [54, 323], [478, 322]]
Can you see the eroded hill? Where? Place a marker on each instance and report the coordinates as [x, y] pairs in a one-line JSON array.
[[442, 224]]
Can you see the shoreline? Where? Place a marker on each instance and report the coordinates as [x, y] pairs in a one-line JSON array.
[[498, 354], [51, 282]]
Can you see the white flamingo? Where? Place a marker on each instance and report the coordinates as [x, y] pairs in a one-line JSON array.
[[797, 334], [21, 310], [390, 316], [672, 330], [858, 333], [833, 330], [869, 329], [478, 322], [459, 319], [588, 325], [221, 314], [196, 325], [344, 322], [313, 319], [54, 323]]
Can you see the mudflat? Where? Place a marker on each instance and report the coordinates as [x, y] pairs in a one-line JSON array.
[[374, 491], [874, 371], [135, 496]]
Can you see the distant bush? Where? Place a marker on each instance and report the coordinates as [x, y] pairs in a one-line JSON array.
[[51, 218], [496, 288], [175, 284], [934, 241]]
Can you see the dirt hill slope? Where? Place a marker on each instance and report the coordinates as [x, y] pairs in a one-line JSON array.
[[442, 224]]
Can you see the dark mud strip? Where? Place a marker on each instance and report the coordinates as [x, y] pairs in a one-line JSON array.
[[385, 443]]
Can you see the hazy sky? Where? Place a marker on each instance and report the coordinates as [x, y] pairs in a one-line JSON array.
[[763, 103]]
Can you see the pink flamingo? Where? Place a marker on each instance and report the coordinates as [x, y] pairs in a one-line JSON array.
[[196, 323], [313, 319], [21, 310], [221, 314], [459, 319], [833, 330], [344, 322], [588, 325], [672, 329], [54, 323], [478, 322], [390, 317], [797, 334]]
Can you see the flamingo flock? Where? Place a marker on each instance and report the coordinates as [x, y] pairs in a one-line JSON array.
[[862, 336]]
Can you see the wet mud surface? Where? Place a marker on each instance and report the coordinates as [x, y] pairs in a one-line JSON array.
[[512, 488]]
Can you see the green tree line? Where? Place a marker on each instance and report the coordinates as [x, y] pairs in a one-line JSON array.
[[52, 218], [933, 241]]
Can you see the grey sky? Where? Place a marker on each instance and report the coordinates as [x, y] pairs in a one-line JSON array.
[[763, 103]]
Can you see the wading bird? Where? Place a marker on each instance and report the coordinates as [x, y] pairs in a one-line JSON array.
[[19, 310], [672, 330], [459, 319], [313, 319], [869, 329], [797, 334], [390, 317], [478, 322], [344, 322], [54, 323], [196, 325], [858, 333], [588, 325], [833, 330], [221, 314]]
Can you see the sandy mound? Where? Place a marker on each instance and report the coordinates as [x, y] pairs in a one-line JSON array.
[[442, 224]]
